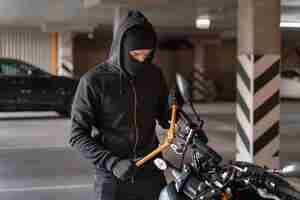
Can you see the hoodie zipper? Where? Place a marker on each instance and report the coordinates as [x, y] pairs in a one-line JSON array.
[[135, 114], [135, 123], [135, 119]]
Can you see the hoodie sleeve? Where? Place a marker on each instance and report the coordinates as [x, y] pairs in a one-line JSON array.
[[163, 116], [83, 118]]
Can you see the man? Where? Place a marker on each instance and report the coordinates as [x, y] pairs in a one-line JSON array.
[[121, 99]]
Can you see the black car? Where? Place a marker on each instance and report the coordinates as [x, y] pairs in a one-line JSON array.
[[24, 87]]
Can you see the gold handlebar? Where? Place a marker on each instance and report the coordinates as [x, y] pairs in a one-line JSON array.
[[170, 134]]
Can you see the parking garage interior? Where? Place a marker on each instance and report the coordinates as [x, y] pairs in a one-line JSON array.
[[65, 39]]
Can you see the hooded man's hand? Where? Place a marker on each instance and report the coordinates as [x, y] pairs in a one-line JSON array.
[[124, 169]]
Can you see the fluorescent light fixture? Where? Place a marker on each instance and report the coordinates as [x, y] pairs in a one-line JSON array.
[[202, 23], [286, 24]]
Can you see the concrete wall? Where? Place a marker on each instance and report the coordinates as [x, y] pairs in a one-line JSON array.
[[172, 61], [166, 60], [290, 57], [27, 44], [89, 52], [219, 61]]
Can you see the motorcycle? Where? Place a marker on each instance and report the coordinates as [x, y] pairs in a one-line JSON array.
[[206, 177]]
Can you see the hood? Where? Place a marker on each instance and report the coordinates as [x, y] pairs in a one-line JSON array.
[[133, 18]]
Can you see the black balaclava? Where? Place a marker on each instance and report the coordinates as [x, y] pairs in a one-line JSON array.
[[137, 38]]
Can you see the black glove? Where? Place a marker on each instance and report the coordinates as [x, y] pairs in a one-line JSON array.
[[124, 169]]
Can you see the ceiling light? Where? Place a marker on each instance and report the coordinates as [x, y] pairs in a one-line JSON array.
[[290, 24], [202, 23], [91, 36]]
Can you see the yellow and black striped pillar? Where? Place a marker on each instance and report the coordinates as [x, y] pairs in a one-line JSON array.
[[258, 109], [258, 83]]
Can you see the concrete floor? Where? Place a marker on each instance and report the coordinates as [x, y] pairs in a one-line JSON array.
[[36, 162]]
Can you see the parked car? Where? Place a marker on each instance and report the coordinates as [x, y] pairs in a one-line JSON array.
[[24, 87], [290, 83]]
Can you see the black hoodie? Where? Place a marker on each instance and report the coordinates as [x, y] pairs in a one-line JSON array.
[[122, 110]]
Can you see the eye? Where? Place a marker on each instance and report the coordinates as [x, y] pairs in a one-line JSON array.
[[136, 54], [139, 53], [133, 53]]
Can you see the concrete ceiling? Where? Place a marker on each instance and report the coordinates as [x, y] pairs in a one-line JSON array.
[[85, 15]]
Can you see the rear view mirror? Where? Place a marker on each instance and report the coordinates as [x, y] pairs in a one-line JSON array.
[[185, 91], [291, 170], [183, 87]]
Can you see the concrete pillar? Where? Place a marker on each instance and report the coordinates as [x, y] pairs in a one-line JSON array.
[[258, 82], [199, 56], [199, 90], [66, 54], [168, 64], [203, 89]]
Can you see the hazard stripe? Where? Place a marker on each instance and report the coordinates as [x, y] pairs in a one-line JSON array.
[[266, 138], [243, 136], [266, 77], [244, 92], [243, 74], [269, 90], [266, 107], [264, 63], [258, 107], [276, 154], [243, 105], [257, 57], [247, 64], [265, 123]]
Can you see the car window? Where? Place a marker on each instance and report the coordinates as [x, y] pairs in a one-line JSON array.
[[11, 69], [33, 70], [25, 68], [20, 69]]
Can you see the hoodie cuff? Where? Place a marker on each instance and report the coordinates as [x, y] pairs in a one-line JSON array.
[[164, 124], [110, 162]]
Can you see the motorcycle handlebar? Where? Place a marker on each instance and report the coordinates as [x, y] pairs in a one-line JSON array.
[[281, 186], [289, 191]]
